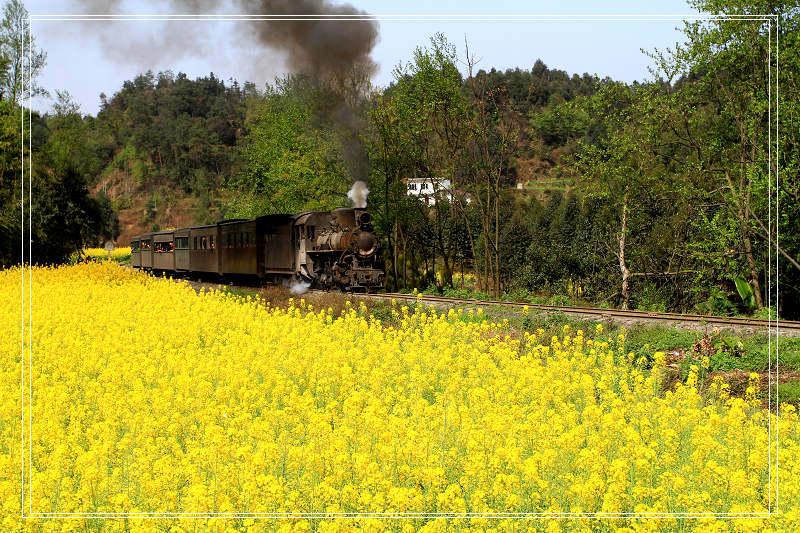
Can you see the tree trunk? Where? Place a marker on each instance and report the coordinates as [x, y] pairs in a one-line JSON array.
[[497, 239], [751, 263], [626, 274], [394, 256]]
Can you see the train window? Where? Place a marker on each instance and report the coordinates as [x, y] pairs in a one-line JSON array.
[[228, 241], [204, 242], [195, 243], [310, 232], [247, 239], [241, 239], [211, 238]]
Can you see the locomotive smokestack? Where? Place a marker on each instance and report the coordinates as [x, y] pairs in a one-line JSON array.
[[358, 194]]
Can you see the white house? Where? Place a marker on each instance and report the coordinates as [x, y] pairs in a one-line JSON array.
[[428, 189]]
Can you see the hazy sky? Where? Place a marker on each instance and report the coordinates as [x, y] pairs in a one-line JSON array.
[[89, 58]]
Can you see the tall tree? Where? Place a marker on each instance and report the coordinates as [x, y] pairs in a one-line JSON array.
[[493, 134], [420, 126], [20, 60], [65, 217], [729, 85]]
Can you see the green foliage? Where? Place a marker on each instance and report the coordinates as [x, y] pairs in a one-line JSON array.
[[291, 162], [20, 59], [745, 291], [789, 392], [643, 339], [718, 302], [420, 130], [168, 129], [10, 216], [65, 217], [651, 297], [561, 123]]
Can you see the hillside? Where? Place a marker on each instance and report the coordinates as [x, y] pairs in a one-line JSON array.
[[167, 146]]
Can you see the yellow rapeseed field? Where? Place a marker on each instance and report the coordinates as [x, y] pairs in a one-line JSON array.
[[149, 398], [117, 254]]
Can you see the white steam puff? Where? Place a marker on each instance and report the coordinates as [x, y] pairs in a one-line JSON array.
[[358, 194], [299, 287]]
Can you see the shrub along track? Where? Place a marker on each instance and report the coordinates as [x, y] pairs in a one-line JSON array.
[[626, 318]]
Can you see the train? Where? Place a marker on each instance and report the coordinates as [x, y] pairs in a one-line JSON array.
[[335, 249]]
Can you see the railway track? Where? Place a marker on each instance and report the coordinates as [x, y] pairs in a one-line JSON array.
[[788, 328], [753, 325]]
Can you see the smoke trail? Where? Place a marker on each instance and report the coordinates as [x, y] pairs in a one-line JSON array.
[[332, 49], [328, 49], [358, 194]]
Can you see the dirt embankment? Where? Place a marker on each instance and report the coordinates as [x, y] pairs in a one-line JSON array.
[[142, 209]]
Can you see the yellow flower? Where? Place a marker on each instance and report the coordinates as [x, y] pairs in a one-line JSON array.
[[150, 397]]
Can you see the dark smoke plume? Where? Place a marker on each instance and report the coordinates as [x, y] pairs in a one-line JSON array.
[[329, 49], [332, 54]]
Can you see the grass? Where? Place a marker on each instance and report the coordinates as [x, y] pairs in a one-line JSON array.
[[789, 392]]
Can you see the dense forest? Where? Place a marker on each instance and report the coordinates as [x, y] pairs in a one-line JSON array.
[[652, 195]]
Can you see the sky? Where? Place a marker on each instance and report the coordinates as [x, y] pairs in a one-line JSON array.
[[87, 58]]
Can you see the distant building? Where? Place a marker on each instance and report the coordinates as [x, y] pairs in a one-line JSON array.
[[429, 190]]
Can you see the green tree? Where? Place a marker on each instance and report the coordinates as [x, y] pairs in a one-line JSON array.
[[624, 170], [419, 128], [10, 167], [65, 217], [723, 117], [291, 161], [19, 57]]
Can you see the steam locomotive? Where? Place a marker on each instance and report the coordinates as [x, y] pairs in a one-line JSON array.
[[321, 249]]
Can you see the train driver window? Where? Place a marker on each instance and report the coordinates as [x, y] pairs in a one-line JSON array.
[[211, 238]]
